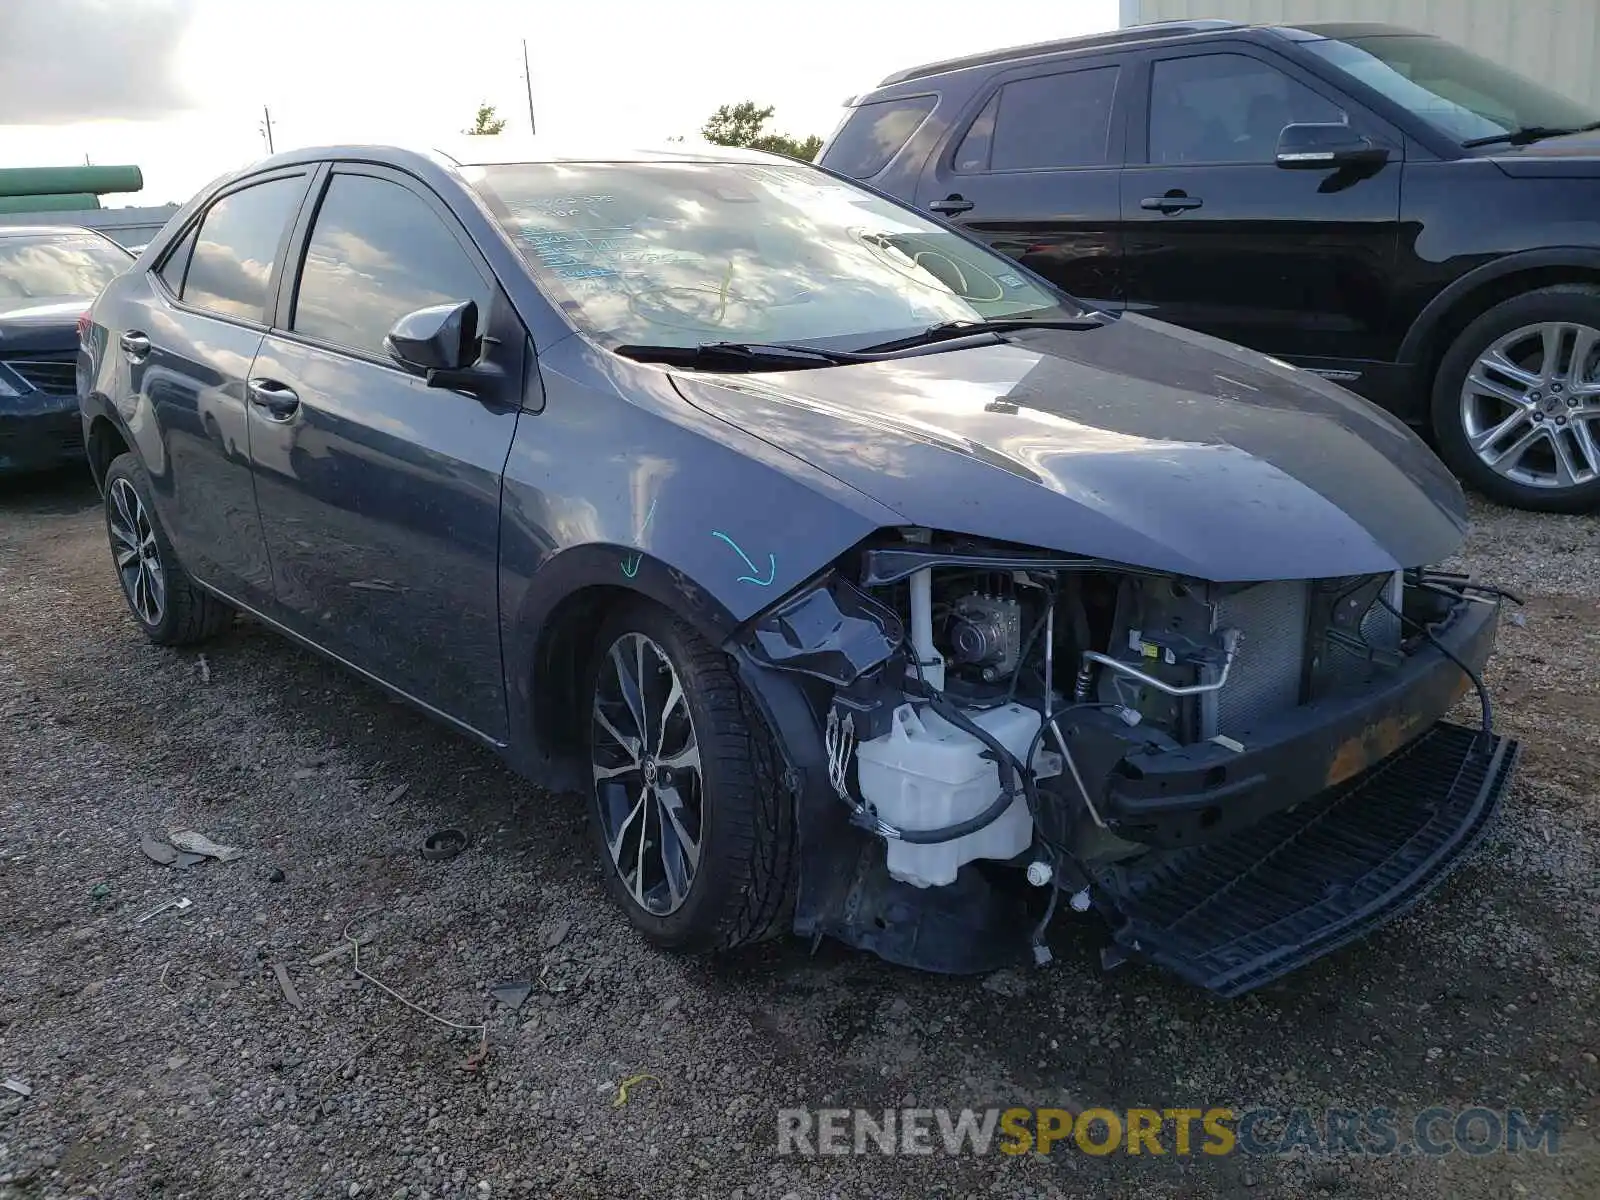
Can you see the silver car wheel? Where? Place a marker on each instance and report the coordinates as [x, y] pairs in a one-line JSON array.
[[648, 787], [1530, 406], [138, 557]]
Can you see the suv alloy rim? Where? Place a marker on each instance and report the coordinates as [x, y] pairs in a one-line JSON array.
[[648, 787], [133, 542], [1530, 406]]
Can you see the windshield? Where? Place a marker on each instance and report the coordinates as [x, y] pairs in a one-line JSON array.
[[1455, 91], [37, 267], [682, 253]]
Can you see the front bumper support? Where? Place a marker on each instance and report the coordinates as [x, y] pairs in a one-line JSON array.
[[1232, 916], [1207, 792]]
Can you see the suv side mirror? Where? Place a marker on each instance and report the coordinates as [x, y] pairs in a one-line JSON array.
[[1324, 147], [440, 342]]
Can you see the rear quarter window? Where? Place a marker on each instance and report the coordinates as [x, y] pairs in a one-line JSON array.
[[874, 133]]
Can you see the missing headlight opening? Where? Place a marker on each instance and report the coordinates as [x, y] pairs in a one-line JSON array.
[[1238, 776]]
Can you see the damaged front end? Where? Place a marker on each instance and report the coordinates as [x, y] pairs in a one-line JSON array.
[[1239, 777]]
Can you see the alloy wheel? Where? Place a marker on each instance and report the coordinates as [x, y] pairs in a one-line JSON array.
[[133, 543], [648, 786], [1530, 405]]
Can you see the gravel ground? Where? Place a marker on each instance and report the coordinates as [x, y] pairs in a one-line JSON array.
[[165, 1061]]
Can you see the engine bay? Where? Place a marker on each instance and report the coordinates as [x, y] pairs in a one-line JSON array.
[[1070, 718]]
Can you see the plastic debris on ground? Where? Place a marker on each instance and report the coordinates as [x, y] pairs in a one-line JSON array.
[[198, 843], [287, 986], [513, 994], [630, 1082]]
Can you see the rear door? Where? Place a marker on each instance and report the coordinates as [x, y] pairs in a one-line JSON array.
[[1032, 169], [380, 495], [188, 340], [1219, 238]]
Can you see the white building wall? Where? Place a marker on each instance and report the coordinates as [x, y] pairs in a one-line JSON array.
[[1554, 41]]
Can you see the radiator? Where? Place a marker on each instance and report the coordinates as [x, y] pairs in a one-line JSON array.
[[1269, 660]]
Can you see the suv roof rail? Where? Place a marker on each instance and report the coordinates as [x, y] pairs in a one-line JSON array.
[[1134, 33]]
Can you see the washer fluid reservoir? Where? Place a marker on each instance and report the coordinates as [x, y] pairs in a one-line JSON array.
[[926, 773]]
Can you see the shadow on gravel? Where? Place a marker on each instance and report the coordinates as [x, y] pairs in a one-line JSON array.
[[52, 493]]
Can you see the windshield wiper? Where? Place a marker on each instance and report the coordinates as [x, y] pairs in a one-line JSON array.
[[742, 355], [946, 330], [1528, 134]]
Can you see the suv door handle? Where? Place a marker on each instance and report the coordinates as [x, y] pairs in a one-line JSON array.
[[278, 399], [135, 345], [1175, 201], [951, 204]]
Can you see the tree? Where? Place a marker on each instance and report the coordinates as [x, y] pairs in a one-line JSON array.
[[487, 122], [743, 124]]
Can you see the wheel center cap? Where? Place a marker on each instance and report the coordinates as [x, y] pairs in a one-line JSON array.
[[650, 770]]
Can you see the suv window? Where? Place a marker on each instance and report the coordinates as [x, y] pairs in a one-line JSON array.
[[874, 133], [237, 247], [1226, 108], [1047, 121], [377, 252]]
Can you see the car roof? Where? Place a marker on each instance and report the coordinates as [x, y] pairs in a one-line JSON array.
[[506, 150], [1133, 35], [49, 230]]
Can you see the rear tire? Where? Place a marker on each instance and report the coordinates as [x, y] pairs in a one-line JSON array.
[[1516, 401], [689, 815], [169, 606]]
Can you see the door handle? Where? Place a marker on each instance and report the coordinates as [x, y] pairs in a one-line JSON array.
[[951, 204], [135, 345], [278, 399], [1173, 202]]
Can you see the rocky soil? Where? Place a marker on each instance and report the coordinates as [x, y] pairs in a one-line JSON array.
[[165, 1060]]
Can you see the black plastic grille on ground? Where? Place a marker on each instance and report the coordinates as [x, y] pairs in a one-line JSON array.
[[1236, 914]]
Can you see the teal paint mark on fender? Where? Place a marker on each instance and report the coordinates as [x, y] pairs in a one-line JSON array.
[[755, 571], [630, 565]]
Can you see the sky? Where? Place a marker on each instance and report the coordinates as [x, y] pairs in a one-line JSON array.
[[178, 86]]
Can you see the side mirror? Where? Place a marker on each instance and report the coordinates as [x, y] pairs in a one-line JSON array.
[[1320, 147], [441, 342]]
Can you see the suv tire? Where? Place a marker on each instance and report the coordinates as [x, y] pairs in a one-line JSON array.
[[1514, 415], [688, 811], [170, 607]]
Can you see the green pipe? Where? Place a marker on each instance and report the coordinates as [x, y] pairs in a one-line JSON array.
[[53, 181], [70, 202]]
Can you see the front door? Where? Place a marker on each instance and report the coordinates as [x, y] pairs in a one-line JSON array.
[[189, 341], [1035, 175], [380, 495], [1219, 238]]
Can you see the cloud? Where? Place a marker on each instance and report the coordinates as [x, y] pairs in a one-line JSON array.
[[84, 60]]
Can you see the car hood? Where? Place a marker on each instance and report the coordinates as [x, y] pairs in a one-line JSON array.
[[1575, 155], [1138, 442], [38, 325]]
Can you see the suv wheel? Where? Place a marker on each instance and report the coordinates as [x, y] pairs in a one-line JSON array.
[[691, 821], [1516, 402], [169, 606]]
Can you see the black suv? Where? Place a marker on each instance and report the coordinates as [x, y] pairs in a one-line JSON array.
[[1369, 203]]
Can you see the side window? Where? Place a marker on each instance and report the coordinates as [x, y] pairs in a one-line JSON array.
[[237, 246], [177, 263], [377, 252], [1047, 121], [874, 133], [1226, 108]]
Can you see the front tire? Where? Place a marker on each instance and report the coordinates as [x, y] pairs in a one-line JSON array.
[[689, 814], [169, 606], [1516, 401]]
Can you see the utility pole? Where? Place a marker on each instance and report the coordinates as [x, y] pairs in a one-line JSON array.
[[266, 127], [527, 77]]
